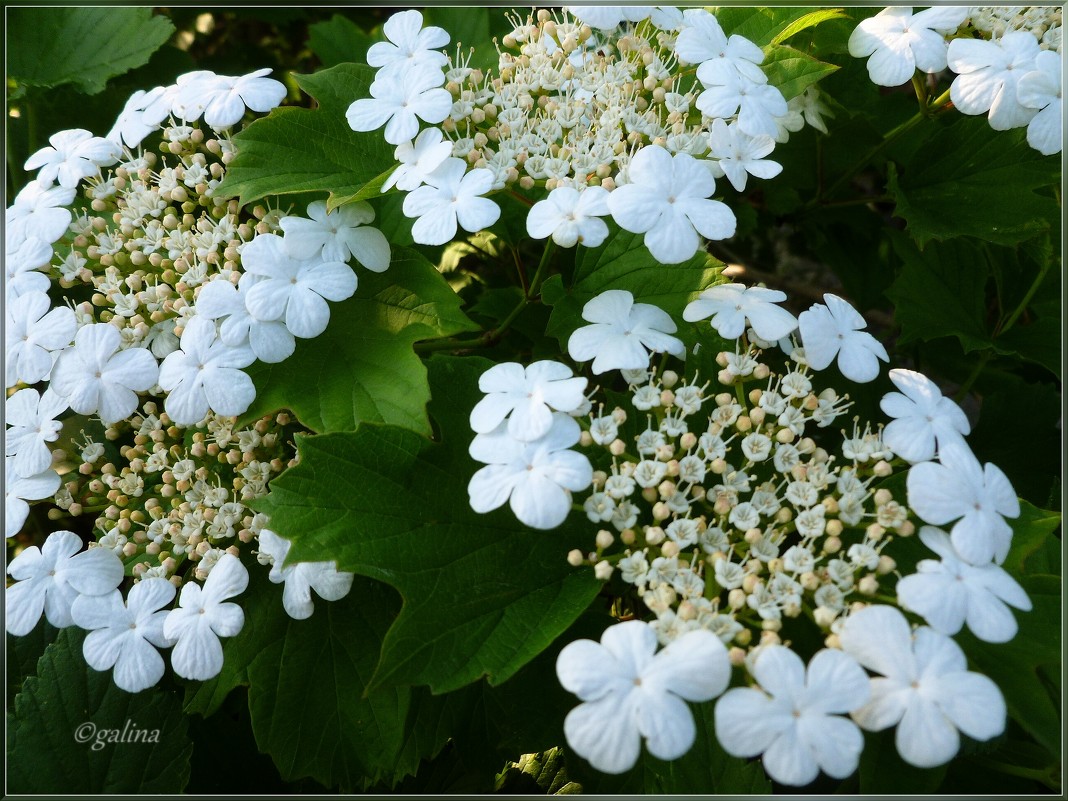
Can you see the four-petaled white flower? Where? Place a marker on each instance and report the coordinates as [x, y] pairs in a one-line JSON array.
[[400, 102], [529, 395], [1041, 89], [666, 199], [417, 160], [630, 692], [125, 636], [451, 197], [794, 717], [38, 211], [835, 330], [534, 476], [899, 41], [570, 217], [31, 424], [292, 289], [757, 104], [73, 155], [203, 616], [34, 330], [270, 340], [96, 377], [20, 489], [136, 121], [988, 74], [338, 236], [22, 268], [703, 42], [738, 155], [924, 688], [978, 497], [922, 417], [409, 45], [606, 18], [49, 578], [730, 305], [951, 592], [620, 333], [301, 578], [222, 99], [205, 373]]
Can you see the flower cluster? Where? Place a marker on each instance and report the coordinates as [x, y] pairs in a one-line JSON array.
[[630, 114], [734, 510], [1007, 61]]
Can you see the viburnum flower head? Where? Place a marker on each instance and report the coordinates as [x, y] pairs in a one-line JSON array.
[[899, 41], [704, 43], [666, 198], [978, 497], [20, 489], [570, 217], [399, 103], [301, 578], [922, 417], [202, 616], [452, 197], [340, 235], [31, 425], [924, 687], [738, 155], [536, 477], [48, 579], [72, 155], [835, 330], [1041, 89], [34, 330], [205, 373], [527, 396], [418, 159], [988, 74], [293, 289], [126, 636], [409, 46], [949, 592], [631, 692], [97, 377], [270, 340], [222, 99], [794, 716], [731, 305], [38, 211], [622, 333], [22, 268]]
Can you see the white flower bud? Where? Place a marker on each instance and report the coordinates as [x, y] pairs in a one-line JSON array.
[[604, 539], [602, 570], [869, 585], [574, 557]]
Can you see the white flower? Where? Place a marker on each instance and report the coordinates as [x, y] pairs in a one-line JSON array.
[[925, 687], [630, 693], [73, 155], [899, 41], [570, 217], [22, 268], [399, 103], [49, 578], [205, 373], [338, 236], [96, 377], [607, 18], [730, 305], [1041, 89], [303, 577], [20, 489], [222, 99], [31, 424], [703, 42], [38, 211], [756, 104], [978, 497], [135, 122], [529, 394], [667, 200], [408, 47], [835, 330], [451, 198], [622, 330], [738, 155], [33, 331], [922, 417], [793, 716], [126, 635], [292, 289], [988, 74], [951, 592], [535, 476], [270, 340], [418, 159], [202, 617]]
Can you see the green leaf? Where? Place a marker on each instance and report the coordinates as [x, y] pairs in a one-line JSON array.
[[1030, 533], [83, 46], [310, 150], [791, 71], [469, 27], [23, 653], [363, 366], [809, 20], [970, 180], [483, 595], [338, 40], [766, 26], [91, 736], [884, 772]]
